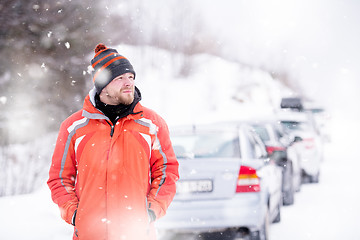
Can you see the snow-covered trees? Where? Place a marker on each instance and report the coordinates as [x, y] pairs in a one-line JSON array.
[[45, 49], [42, 46]]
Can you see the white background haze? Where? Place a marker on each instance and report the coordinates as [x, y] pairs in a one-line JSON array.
[[315, 42]]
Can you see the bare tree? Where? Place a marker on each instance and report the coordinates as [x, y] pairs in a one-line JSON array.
[[45, 49], [157, 24], [43, 44]]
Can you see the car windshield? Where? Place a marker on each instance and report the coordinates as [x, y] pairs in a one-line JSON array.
[[206, 145], [262, 132], [293, 125]]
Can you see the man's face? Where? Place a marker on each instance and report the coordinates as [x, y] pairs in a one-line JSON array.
[[119, 90]]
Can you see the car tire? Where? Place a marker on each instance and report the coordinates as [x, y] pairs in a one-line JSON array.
[[289, 195], [298, 187], [305, 178], [315, 178], [278, 215]]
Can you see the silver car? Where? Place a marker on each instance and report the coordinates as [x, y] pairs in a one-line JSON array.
[[284, 152], [309, 142], [228, 185]]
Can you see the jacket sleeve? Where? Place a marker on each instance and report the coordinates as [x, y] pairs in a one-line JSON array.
[[164, 171], [62, 174]]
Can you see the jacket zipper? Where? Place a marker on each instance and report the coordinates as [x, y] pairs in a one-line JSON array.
[[112, 128]]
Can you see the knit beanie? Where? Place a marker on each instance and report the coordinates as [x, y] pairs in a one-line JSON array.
[[108, 64]]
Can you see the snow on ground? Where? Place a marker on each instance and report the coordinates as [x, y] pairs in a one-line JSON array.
[[330, 209], [32, 217]]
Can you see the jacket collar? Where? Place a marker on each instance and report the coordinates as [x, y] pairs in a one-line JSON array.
[[91, 112]]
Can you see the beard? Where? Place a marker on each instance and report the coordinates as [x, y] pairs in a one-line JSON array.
[[124, 98]]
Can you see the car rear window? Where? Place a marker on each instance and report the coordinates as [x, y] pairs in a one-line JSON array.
[[206, 145], [293, 125], [262, 132]]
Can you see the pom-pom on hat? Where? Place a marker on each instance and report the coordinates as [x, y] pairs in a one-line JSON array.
[[108, 64]]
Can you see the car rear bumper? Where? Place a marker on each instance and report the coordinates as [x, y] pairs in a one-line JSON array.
[[244, 210], [310, 165]]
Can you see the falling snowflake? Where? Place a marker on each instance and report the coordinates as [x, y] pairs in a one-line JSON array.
[[36, 7], [67, 45], [49, 34], [90, 69], [3, 99]]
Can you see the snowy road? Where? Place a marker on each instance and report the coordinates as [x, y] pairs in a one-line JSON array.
[[330, 209]]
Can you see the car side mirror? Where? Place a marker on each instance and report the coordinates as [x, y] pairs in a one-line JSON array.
[[297, 139]]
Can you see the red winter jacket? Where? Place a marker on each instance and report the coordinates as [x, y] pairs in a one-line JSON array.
[[111, 175]]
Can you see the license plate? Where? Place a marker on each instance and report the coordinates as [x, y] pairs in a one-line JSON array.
[[194, 186]]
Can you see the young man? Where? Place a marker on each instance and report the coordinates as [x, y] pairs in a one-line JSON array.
[[113, 170]]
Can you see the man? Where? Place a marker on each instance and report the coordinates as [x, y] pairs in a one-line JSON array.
[[113, 170]]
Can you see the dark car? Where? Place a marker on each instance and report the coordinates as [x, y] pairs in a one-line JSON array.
[[280, 148], [294, 103]]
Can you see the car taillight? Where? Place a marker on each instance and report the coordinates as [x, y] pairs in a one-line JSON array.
[[248, 180], [309, 143], [271, 149]]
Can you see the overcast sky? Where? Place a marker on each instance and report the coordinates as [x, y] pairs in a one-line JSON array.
[[317, 41]]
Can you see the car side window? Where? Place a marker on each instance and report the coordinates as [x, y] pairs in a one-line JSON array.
[[278, 134], [255, 148]]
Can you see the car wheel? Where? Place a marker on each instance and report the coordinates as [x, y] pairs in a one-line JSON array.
[[289, 195], [278, 215], [305, 178], [299, 183], [315, 178], [179, 236]]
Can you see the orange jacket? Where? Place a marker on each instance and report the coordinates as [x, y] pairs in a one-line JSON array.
[[112, 174]]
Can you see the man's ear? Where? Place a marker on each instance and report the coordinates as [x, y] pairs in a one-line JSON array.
[[104, 92]]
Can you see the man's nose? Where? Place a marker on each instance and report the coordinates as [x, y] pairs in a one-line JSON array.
[[129, 81]]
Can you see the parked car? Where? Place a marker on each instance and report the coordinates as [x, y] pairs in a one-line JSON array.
[[302, 127], [293, 103], [323, 121], [227, 183], [282, 150]]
